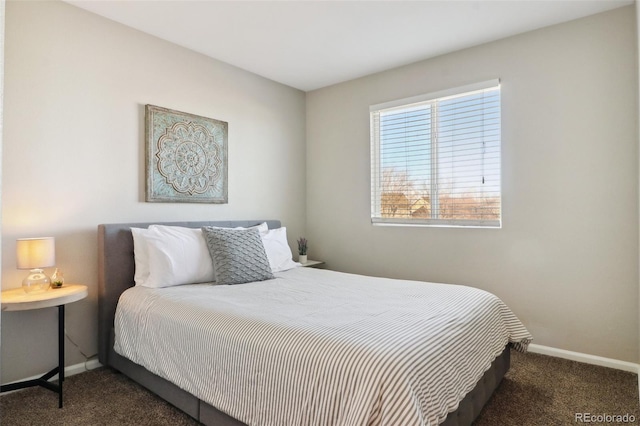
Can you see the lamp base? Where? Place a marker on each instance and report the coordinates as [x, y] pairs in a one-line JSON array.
[[36, 281]]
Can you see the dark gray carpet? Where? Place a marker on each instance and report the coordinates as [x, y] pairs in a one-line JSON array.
[[542, 390], [538, 390]]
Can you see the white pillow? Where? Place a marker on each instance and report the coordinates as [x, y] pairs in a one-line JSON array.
[[140, 255], [177, 256], [278, 250], [141, 251], [262, 227]]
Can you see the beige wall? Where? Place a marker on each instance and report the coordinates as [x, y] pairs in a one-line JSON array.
[[566, 259], [75, 89]]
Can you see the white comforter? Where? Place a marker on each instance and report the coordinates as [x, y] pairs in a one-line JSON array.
[[316, 347]]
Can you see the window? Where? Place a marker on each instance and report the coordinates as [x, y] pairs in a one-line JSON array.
[[435, 159]]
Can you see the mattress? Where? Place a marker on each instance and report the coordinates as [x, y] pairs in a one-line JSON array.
[[319, 347]]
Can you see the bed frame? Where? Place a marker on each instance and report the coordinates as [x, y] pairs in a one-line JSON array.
[[115, 275]]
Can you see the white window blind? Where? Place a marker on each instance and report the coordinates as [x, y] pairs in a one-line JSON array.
[[435, 159]]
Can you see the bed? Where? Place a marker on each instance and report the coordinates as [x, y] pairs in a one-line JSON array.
[[116, 272]]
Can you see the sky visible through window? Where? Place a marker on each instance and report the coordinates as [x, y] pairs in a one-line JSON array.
[[468, 144]]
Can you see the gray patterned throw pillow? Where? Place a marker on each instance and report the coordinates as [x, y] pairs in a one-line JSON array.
[[238, 255]]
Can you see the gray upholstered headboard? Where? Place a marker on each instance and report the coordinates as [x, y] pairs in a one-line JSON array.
[[116, 268]]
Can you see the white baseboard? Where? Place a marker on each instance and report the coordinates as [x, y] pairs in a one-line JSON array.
[[586, 358], [92, 364]]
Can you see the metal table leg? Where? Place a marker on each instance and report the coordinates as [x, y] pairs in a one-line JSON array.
[[44, 379], [60, 352]]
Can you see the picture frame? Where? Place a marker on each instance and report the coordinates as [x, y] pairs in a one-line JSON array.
[[186, 157]]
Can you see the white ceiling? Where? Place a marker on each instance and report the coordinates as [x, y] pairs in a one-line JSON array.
[[312, 44]]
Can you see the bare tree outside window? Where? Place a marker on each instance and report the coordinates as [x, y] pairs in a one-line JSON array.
[[403, 198]]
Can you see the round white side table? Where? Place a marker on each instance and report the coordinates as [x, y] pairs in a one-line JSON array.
[[17, 300]]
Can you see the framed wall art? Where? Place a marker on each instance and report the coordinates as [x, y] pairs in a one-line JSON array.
[[186, 157]]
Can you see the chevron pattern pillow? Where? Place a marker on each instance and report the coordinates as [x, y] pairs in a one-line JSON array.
[[238, 255]]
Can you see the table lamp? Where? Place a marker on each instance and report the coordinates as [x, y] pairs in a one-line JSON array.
[[35, 254]]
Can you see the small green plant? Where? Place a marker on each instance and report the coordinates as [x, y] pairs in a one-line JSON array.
[[57, 279], [302, 245]]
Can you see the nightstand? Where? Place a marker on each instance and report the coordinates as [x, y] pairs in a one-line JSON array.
[[312, 264], [17, 300]]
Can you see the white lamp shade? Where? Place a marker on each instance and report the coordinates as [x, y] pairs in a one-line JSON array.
[[32, 253]]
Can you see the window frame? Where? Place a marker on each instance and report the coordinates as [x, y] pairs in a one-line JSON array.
[[376, 172]]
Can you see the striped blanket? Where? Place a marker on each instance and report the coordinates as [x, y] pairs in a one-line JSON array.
[[317, 347]]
